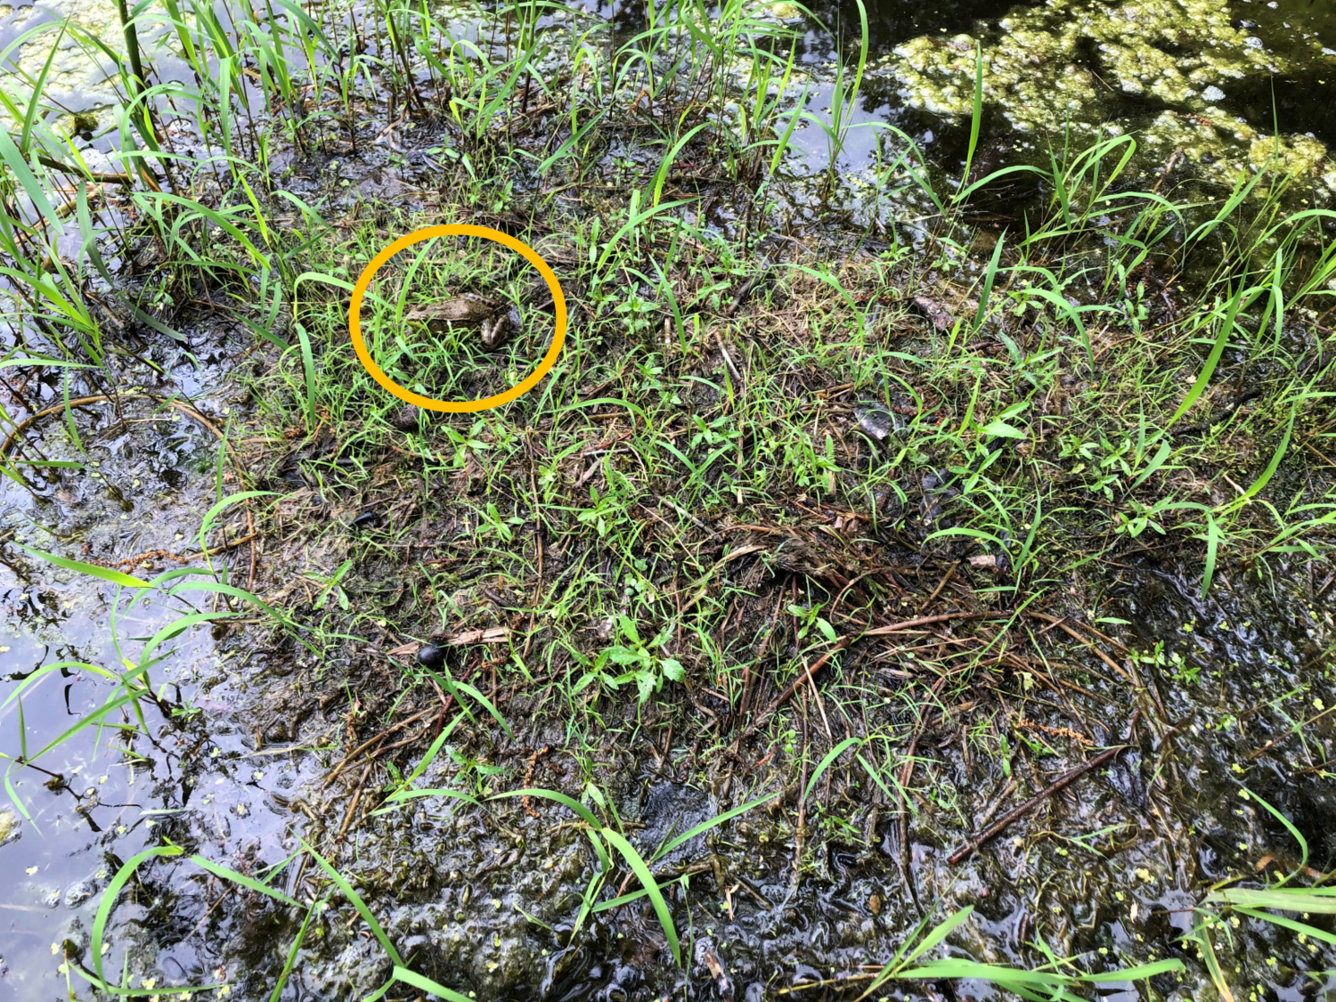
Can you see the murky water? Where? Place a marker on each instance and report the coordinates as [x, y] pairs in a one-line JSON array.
[[1217, 84], [146, 473], [1225, 85]]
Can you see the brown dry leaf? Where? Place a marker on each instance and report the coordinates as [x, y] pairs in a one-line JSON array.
[[495, 635], [712, 962]]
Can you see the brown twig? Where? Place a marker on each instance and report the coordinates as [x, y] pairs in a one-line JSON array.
[[787, 694], [950, 573], [367, 744], [1062, 625], [1054, 621], [180, 558], [1011, 817], [907, 773], [357, 797], [746, 669], [100, 177], [924, 621]]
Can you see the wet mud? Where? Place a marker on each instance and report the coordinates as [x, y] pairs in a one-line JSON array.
[[484, 899]]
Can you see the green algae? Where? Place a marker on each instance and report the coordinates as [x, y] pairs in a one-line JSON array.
[[1105, 68], [1225, 146], [82, 83]]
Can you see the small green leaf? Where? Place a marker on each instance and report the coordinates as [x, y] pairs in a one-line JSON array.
[[1001, 429]]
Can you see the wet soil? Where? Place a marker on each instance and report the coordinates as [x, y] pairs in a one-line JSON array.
[[969, 715], [484, 899]]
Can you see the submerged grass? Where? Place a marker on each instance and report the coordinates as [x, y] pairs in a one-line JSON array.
[[1117, 374]]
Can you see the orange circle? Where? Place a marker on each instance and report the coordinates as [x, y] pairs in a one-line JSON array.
[[457, 406]]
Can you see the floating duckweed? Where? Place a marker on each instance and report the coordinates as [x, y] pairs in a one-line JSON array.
[[1174, 52]]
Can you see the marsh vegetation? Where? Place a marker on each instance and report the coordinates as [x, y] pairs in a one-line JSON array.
[[913, 578]]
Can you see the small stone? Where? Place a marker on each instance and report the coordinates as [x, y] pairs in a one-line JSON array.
[[408, 418]]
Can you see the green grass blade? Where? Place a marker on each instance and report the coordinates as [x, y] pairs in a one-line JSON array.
[[580, 809], [401, 796], [427, 985], [108, 902], [1217, 349], [435, 749], [357, 903], [232, 590], [1271, 467], [1160, 456], [292, 951], [33, 188], [486, 704], [308, 369], [174, 629], [1138, 973], [1302, 928], [39, 88], [989, 276], [976, 120], [625, 899], [705, 826], [209, 516], [105, 573], [647, 881], [243, 880], [825, 763], [1213, 538], [1295, 834], [662, 174], [1290, 899], [938, 933]]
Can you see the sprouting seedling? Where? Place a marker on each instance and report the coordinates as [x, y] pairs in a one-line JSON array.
[[1048, 981], [605, 841], [642, 660]]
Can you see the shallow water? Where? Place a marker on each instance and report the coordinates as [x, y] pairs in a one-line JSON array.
[[142, 486], [1220, 82]]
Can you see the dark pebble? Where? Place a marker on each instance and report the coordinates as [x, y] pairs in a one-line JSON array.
[[431, 656], [408, 419]]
